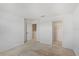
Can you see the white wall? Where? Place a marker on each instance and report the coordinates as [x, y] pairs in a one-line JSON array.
[[68, 31], [76, 28], [29, 31], [11, 31], [45, 33]]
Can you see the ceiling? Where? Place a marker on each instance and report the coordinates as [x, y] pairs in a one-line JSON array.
[[37, 10]]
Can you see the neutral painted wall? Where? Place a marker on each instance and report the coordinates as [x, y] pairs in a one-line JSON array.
[[11, 31], [76, 28], [45, 33], [29, 31], [68, 31]]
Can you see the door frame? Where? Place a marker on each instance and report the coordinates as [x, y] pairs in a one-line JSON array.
[[34, 32], [25, 31], [54, 29]]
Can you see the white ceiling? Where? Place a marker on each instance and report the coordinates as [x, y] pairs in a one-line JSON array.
[[31, 10]]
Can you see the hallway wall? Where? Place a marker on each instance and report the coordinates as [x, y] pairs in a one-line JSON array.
[[11, 31], [68, 31], [45, 33], [29, 31], [76, 28]]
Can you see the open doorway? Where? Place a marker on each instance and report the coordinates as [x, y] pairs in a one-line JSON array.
[[57, 34], [34, 29]]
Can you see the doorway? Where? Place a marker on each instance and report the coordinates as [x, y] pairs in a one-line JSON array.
[[57, 34], [34, 29]]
